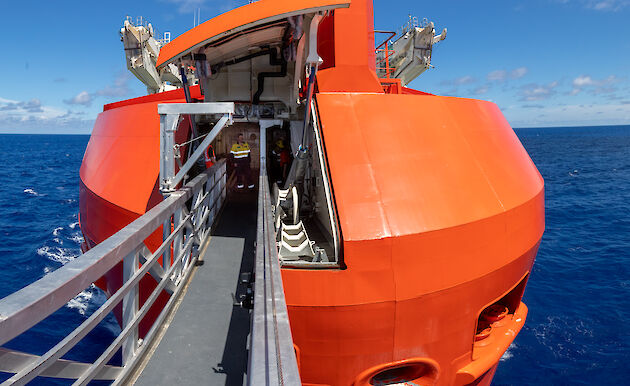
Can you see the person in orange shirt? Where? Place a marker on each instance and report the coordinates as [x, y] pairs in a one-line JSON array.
[[209, 157]]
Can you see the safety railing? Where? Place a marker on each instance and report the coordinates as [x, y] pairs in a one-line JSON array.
[[272, 358], [186, 217], [383, 54]]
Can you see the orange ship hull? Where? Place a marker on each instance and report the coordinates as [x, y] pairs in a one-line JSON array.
[[433, 234], [440, 209]]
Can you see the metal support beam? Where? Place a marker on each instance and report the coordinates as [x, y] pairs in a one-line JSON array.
[[197, 153], [15, 361], [196, 108], [169, 118]]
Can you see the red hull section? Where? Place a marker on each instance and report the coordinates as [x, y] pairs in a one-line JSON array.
[[119, 176]]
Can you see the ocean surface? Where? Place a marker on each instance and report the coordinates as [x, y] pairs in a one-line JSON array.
[[578, 293], [39, 232]]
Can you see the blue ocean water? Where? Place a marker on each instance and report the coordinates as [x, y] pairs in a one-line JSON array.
[[39, 230], [577, 294]]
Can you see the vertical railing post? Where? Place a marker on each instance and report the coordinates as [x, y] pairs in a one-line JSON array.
[[197, 229], [166, 232], [387, 59], [223, 187], [263, 151], [210, 189], [178, 241], [130, 307], [168, 127]]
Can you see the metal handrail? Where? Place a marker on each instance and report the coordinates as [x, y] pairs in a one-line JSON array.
[[30, 305], [272, 358], [387, 53]]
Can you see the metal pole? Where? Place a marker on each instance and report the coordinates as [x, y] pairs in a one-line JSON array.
[[313, 61], [387, 59], [168, 127], [178, 241], [130, 308], [309, 98]]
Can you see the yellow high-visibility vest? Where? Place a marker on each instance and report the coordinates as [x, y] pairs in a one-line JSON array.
[[240, 150]]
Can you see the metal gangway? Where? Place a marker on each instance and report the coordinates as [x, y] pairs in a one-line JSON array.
[[185, 217]]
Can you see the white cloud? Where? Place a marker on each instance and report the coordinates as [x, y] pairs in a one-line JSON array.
[[518, 73], [504, 75], [119, 88], [480, 90], [497, 75], [599, 5], [467, 79], [33, 116], [583, 81], [83, 98], [607, 5], [32, 106], [536, 92], [187, 6], [597, 86], [463, 80], [569, 115]]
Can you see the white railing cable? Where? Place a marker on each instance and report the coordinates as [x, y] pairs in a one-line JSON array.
[[30, 305]]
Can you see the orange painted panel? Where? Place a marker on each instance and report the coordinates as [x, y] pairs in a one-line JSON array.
[[354, 58], [371, 281], [441, 212], [354, 35], [341, 341], [348, 79], [337, 343], [122, 160], [425, 168], [265, 11], [459, 254], [124, 147]]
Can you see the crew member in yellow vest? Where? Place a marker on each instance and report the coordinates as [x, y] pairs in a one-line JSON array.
[[241, 157]]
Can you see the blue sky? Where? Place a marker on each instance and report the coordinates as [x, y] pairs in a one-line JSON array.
[[544, 62]]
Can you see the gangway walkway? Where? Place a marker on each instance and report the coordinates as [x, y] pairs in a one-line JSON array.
[[210, 341], [206, 342]]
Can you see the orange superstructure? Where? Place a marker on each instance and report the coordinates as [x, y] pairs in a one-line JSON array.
[[439, 207]]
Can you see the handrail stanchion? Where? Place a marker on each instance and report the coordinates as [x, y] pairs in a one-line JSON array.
[[166, 232], [179, 240], [130, 307]]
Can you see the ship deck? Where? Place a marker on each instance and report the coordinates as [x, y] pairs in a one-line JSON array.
[[206, 341]]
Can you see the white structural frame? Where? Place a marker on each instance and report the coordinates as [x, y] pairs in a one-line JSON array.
[[170, 114]]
